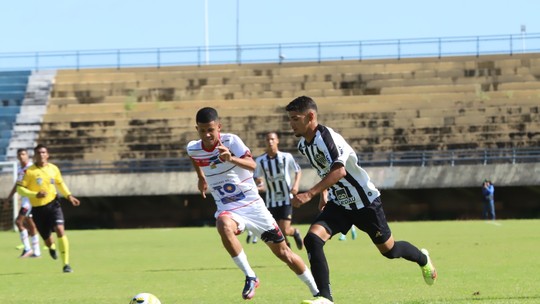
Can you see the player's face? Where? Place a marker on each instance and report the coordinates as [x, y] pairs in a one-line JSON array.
[[22, 157], [209, 133], [272, 140], [299, 122], [41, 156]]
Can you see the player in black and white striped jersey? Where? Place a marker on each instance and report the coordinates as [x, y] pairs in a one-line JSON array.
[[347, 198], [274, 175]]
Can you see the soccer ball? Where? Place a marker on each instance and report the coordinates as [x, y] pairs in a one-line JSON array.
[[144, 298]]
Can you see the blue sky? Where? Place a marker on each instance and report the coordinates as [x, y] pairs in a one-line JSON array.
[[37, 25]]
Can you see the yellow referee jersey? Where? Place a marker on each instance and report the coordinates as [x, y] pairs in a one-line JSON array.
[[47, 179]]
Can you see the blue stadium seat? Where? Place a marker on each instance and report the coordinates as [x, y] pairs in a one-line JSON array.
[[12, 91]]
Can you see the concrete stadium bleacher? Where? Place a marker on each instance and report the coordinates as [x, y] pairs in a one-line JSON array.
[[378, 105]]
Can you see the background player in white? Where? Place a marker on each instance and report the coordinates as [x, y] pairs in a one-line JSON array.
[[347, 197], [225, 167], [273, 175], [25, 224]]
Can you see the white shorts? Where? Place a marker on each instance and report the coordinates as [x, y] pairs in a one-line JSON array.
[[26, 207], [255, 218]]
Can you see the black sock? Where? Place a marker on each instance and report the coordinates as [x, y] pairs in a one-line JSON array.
[[319, 266], [406, 250]]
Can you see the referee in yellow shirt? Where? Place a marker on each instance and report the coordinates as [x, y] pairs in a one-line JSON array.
[[40, 184]]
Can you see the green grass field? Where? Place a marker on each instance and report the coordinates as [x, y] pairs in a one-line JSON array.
[[477, 262]]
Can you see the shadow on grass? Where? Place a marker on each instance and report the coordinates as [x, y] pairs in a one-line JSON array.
[[199, 269]]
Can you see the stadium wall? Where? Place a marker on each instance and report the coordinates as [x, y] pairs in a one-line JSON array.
[[409, 193]]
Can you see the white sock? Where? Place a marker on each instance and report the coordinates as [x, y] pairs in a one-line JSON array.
[[24, 239], [242, 263], [308, 279], [35, 244]]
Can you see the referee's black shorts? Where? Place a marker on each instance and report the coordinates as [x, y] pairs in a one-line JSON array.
[[370, 219], [47, 217]]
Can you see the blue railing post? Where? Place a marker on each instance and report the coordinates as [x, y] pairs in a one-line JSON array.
[[77, 63], [238, 55], [477, 46], [280, 55], [440, 48], [511, 46], [319, 52], [158, 54], [359, 50], [199, 56], [118, 59], [37, 61], [398, 49]]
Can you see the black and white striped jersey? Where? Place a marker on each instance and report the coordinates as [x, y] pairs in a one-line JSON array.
[[355, 190], [277, 175]]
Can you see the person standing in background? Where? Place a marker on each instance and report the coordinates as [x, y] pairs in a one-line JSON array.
[[275, 168], [488, 197]]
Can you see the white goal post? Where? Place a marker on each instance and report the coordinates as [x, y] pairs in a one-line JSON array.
[[8, 177]]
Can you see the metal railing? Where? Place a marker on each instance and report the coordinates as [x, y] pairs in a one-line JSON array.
[[274, 53], [377, 159]]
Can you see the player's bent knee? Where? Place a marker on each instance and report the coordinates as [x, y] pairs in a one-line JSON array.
[[391, 254], [312, 241]]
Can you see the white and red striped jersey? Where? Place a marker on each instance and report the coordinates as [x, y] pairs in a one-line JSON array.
[[232, 187]]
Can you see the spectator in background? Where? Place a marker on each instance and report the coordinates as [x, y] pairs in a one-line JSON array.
[[488, 196]]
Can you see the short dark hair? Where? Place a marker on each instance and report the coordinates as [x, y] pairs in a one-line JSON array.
[[40, 146], [206, 115], [21, 150], [302, 104]]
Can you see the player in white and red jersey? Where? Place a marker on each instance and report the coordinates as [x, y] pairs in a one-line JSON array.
[[224, 166], [25, 224]]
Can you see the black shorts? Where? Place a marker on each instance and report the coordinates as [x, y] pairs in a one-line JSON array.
[[48, 217], [281, 213], [370, 219]]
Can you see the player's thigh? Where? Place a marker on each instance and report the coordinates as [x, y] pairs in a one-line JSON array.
[[333, 219], [372, 220]]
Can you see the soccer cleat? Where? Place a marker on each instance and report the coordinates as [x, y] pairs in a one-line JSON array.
[[53, 254], [298, 239], [26, 253], [428, 271], [248, 238], [67, 268], [342, 237], [249, 288], [35, 255], [317, 300], [255, 239]]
